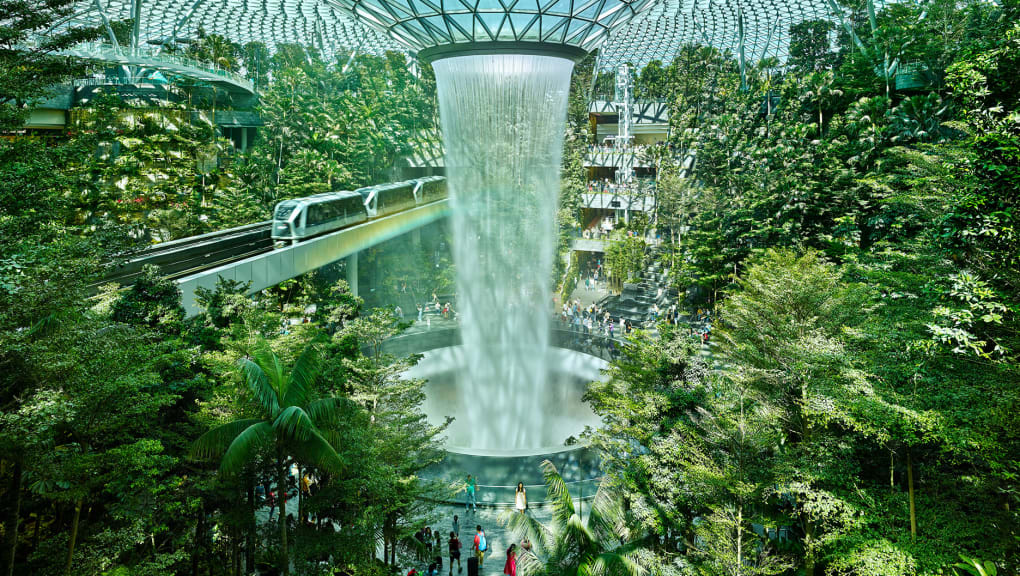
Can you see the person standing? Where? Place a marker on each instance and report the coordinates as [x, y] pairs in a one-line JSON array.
[[510, 567], [456, 524], [480, 545], [420, 537], [454, 545], [469, 499], [521, 498]]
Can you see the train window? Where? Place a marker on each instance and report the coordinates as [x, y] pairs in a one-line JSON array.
[[336, 209], [397, 197], [354, 205], [283, 212], [314, 215]]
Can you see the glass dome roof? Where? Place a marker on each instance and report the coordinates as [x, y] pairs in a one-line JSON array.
[[420, 24], [624, 31]]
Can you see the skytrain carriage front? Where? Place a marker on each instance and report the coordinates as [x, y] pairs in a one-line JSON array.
[[295, 220]]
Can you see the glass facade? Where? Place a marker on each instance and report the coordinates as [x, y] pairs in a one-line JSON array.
[[624, 31]]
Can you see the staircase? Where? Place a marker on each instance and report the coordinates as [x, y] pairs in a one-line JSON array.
[[635, 302]]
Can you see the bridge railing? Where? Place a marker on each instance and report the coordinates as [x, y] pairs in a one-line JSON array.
[[537, 494], [146, 56]]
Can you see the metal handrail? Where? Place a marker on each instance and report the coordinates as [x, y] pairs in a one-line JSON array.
[[105, 51], [599, 478]]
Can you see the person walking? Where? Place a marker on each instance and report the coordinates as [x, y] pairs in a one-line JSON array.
[[454, 545], [456, 524], [510, 567], [480, 545], [469, 499], [521, 498]]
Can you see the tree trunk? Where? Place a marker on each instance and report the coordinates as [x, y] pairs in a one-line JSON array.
[[910, 490], [281, 489], [892, 471], [35, 531], [235, 537], [809, 542], [74, 534], [196, 552], [740, 541], [300, 498], [249, 543], [12, 518]]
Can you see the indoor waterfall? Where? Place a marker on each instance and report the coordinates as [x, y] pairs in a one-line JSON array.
[[503, 117]]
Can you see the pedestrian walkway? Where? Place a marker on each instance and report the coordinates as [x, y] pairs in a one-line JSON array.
[[589, 296], [499, 538]]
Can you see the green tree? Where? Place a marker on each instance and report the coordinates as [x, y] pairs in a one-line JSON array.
[[152, 301], [608, 542], [30, 64], [290, 423], [782, 332], [811, 46]]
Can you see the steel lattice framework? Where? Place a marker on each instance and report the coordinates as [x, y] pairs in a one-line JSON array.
[[758, 28], [624, 31]]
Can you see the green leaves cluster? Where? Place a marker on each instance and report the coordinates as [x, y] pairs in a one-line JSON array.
[[858, 245]]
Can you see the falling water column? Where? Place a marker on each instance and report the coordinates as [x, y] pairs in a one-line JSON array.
[[503, 117]]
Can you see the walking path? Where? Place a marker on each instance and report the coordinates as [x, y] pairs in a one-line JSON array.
[[498, 537]]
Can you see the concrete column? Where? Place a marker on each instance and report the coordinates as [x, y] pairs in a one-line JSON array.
[[352, 273], [244, 139]]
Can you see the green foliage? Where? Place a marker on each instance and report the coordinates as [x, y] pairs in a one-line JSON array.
[[625, 256], [860, 245], [152, 301], [811, 46], [29, 70], [972, 567], [606, 543]]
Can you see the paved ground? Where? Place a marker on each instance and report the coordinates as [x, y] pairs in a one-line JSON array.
[[589, 296], [498, 537]]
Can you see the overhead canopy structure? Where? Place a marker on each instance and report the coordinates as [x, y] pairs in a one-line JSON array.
[[624, 31]]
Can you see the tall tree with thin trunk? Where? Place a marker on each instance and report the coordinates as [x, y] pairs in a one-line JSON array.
[[289, 423]]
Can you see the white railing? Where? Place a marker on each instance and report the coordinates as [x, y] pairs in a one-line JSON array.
[[150, 57]]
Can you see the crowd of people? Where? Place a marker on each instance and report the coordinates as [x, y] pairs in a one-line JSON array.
[[593, 320], [430, 541], [605, 185], [619, 147], [598, 230]]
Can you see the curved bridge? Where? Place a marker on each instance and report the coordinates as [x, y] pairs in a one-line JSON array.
[[170, 64]]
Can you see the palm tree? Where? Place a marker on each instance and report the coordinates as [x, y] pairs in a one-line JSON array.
[[289, 423], [605, 545], [823, 94]]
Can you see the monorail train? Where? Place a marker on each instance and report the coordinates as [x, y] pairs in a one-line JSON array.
[[302, 218]]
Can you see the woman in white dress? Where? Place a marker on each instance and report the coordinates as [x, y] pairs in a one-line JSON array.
[[521, 498]]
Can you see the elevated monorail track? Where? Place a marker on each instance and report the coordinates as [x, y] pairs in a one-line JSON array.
[[186, 256]]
